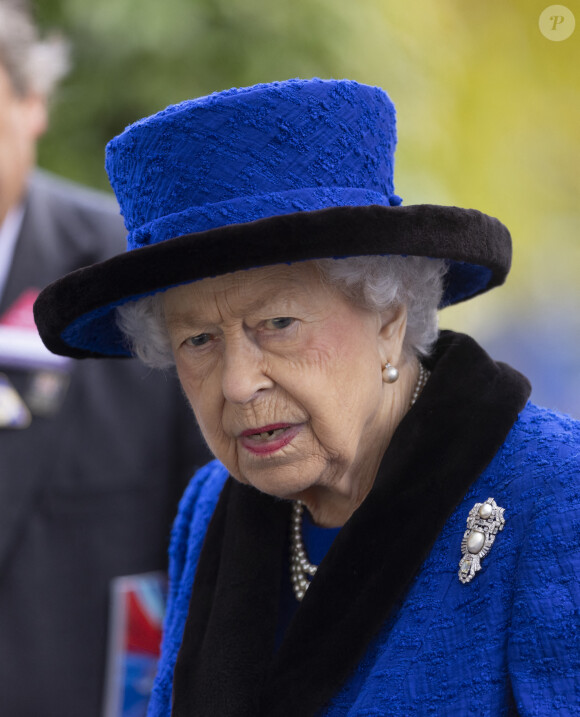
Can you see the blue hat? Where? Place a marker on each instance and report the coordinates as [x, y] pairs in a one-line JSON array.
[[269, 174]]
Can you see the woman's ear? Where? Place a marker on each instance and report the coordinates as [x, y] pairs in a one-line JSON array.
[[392, 334]]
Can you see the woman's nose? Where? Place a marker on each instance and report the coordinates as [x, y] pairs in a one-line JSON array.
[[244, 373]]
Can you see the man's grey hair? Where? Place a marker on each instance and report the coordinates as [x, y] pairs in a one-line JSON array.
[[34, 65], [374, 282]]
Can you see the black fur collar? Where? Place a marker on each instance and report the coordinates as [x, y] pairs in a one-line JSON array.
[[226, 665]]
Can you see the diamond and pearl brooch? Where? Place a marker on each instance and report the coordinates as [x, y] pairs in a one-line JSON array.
[[484, 522]]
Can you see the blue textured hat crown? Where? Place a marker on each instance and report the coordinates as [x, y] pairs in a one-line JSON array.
[[284, 172], [246, 154]]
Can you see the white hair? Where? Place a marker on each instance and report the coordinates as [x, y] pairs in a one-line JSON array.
[[374, 282], [34, 65]]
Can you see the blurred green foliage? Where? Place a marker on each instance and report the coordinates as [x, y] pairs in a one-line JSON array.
[[134, 57]]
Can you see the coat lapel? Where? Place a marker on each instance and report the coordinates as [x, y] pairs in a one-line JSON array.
[[227, 646], [36, 260], [440, 448], [58, 235]]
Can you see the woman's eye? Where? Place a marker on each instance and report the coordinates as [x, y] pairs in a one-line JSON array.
[[198, 340], [280, 322]]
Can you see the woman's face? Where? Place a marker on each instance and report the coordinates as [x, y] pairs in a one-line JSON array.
[[284, 376]]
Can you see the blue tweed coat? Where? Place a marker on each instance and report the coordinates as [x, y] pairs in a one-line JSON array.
[[387, 628]]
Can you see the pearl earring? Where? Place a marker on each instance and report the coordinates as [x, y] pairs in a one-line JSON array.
[[390, 373]]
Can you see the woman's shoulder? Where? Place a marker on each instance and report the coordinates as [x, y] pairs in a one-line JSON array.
[[203, 491], [535, 474], [542, 458], [549, 420], [196, 508], [207, 483], [544, 439]]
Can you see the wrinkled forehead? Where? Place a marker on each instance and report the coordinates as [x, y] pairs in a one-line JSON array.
[[242, 292]]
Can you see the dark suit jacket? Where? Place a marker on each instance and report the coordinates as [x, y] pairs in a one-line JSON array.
[[85, 495]]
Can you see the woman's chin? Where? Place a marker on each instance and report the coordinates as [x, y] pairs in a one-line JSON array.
[[282, 477]]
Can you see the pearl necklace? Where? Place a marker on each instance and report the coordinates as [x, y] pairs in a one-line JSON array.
[[301, 569]]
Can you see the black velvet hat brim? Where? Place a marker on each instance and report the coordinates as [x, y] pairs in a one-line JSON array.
[[76, 314]]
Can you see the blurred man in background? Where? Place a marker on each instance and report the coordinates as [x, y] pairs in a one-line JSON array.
[[81, 502]]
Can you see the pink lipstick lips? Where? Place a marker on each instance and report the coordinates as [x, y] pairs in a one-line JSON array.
[[268, 439]]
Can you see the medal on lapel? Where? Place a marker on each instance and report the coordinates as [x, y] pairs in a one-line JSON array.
[[484, 521]]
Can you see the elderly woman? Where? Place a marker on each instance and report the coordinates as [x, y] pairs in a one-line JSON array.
[[390, 527]]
